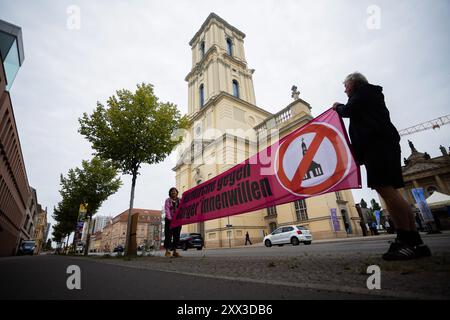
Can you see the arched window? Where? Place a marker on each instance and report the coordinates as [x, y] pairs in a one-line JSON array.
[[202, 49], [202, 95], [229, 47], [235, 88]]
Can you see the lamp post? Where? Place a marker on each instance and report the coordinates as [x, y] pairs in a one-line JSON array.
[[229, 232]]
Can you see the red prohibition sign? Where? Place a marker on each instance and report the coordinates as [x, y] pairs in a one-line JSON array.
[[321, 131]]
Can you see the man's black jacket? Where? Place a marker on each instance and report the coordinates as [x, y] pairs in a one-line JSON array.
[[370, 124]]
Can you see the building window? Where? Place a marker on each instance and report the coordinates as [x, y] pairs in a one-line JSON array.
[[229, 47], [202, 95], [235, 88], [271, 210], [338, 196], [202, 49], [300, 210]]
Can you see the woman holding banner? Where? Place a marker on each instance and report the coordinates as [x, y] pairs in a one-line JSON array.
[[170, 207], [375, 143]]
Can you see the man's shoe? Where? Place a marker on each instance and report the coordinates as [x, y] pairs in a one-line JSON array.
[[168, 254], [402, 251]]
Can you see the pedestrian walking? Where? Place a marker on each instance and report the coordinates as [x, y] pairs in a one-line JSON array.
[[247, 238], [376, 145], [347, 227]]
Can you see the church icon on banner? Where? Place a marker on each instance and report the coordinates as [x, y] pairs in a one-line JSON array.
[[315, 169]]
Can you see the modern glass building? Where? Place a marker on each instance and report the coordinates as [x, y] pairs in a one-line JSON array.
[[11, 50]]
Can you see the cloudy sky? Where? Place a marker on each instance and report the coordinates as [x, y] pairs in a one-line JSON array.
[[402, 46]]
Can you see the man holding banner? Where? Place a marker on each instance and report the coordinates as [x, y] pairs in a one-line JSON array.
[[375, 143]]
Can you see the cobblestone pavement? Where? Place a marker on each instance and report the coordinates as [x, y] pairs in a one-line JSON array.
[[427, 278]]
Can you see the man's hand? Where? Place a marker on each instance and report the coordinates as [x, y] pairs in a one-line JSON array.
[[335, 105]]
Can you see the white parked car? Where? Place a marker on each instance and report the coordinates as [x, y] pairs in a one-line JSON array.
[[288, 234]]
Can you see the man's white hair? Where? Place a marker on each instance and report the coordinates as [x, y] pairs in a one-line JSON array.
[[356, 77]]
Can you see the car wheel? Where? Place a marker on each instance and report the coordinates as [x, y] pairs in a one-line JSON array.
[[267, 243], [200, 248], [307, 242], [295, 241], [184, 247]]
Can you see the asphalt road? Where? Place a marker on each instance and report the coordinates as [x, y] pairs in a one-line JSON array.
[[45, 277]]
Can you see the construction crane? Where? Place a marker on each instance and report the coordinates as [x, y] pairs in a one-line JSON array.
[[431, 124]]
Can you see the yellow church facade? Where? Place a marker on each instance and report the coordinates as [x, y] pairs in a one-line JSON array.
[[226, 127]]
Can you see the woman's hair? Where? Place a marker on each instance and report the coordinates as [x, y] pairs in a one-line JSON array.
[[356, 77], [171, 189]]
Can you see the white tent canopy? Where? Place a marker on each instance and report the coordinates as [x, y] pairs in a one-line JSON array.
[[438, 198]]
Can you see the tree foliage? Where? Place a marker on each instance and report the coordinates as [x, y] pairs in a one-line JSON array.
[[90, 185], [375, 205], [363, 204], [134, 128]]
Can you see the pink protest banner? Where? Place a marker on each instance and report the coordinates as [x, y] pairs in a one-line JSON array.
[[312, 160]]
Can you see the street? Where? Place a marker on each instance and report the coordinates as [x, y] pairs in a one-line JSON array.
[[323, 270]]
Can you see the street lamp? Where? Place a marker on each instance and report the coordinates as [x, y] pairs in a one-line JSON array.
[[229, 232]]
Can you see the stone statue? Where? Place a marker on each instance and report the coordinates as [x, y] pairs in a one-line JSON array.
[[411, 145], [295, 93], [443, 150], [426, 156], [405, 161]]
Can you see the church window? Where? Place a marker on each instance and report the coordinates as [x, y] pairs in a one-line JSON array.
[[301, 211], [202, 95], [229, 47], [235, 88], [202, 49]]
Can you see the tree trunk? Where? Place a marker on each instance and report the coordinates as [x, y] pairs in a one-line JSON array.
[[128, 237]]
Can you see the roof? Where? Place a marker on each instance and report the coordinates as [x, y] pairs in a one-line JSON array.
[[211, 16]]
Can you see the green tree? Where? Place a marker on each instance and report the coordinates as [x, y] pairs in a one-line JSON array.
[[363, 204], [89, 185], [375, 205], [134, 128], [65, 217]]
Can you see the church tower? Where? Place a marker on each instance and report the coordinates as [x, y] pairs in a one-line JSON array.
[[218, 65], [222, 114]]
